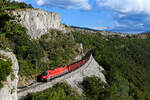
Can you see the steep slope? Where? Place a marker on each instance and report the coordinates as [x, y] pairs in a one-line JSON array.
[[92, 69], [38, 22], [126, 64], [35, 54], [9, 91], [74, 78], [124, 57]]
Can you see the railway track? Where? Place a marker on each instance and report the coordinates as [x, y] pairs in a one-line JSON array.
[[34, 84], [40, 86]]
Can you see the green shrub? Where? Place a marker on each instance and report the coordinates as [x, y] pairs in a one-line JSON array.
[[60, 91], [59, 48], [1, 85], [93, 87], [5, 69], [126, 62], [13, 5]]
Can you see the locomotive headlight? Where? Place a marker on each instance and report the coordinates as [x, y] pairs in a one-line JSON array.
[[43, 77]]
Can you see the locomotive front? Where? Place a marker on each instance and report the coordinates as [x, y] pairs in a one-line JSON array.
[[44, 76]]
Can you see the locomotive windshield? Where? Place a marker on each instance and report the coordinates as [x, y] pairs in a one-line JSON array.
[[44, 73]]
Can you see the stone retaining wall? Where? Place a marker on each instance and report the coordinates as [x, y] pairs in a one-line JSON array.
[[71, 78]]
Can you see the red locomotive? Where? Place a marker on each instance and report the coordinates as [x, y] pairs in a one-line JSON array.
[[56, 72]]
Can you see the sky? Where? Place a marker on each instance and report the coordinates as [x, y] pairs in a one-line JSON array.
[[126, 16]]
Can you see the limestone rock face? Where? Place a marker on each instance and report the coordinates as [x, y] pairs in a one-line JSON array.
[[39, 22], [9, 91], [92, 69]]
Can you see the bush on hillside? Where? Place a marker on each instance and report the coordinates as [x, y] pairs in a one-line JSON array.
[[5, 70], [93, 87], [126, 61], [60, 91]]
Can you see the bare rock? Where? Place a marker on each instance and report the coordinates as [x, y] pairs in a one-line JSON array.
[[92, 69], [39, 22], [9, 91]]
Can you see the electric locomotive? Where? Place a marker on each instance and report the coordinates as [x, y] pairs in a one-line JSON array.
[[56, 72]]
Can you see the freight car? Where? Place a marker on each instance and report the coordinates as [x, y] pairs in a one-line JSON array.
[[56, 72]]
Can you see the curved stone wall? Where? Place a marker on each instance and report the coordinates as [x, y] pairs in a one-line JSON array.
[[88, 69]]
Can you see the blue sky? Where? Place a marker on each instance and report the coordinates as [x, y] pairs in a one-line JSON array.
[[129, 16]]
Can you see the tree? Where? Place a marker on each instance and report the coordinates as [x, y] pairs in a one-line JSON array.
[[93, 87]]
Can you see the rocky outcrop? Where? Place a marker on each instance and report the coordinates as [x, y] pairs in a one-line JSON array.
[[73, 78], [9, 91], [92, 69], [39, 22]]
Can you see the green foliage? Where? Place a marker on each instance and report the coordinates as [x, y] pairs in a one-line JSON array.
[[34, 56], [1, 85], [4, 17], [60, 91], [14, 37], [93, 87], [126, 61], [28, 51], [5, 70], [12, 76], [13, 5], [59, 48]]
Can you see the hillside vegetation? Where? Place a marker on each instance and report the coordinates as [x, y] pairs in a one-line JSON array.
[[5, 70], [126, 60], [60, 91], [5, 30], [126, 64], [34, 56]]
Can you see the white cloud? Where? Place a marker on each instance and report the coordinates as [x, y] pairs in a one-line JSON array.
[[126, 6], [15, 0], [129, 15], [19, 0], [40, 2], [99, 28], [68, 4]]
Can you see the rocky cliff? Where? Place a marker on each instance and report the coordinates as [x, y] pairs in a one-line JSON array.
[[9, 91], [39, 22]]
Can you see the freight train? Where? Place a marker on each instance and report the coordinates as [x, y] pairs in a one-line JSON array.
[[59, 71]]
